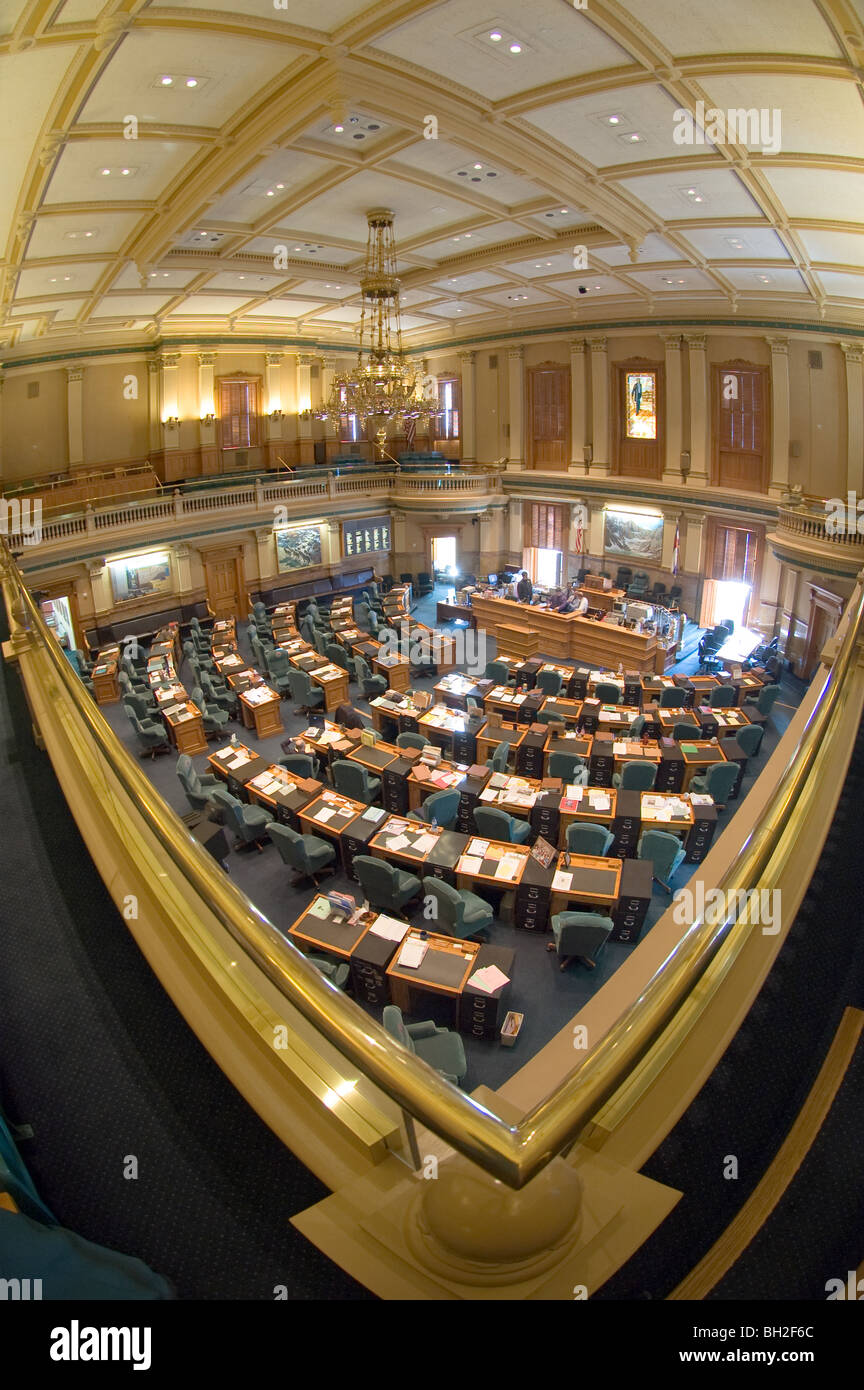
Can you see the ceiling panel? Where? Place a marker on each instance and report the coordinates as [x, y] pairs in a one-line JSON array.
[[79, 175], [325, 15], [702, 26], [203, 305], [765, 279], [64, 234], [10, 13], [722, 193], [601, 127], [129, 306], [801, 114], [26, 93], [808, 194], [283, 308], [653, 248], [62, 276], [458, 166], [727, 243], [345, 208], [846, 248], [258, 193], [845, 286], [80, 11]]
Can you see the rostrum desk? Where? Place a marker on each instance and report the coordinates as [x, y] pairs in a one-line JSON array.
[[570, 636]]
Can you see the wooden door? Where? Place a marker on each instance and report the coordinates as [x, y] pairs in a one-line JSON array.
[[549, 414], [223, 587], [740, 435], [638, 407]]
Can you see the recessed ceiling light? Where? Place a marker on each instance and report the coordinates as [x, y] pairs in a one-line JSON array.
[[241, 277], [52, 280], [633, 138], [125, 171], [270, 193], [105, 171], [515, 48], [614, 120], [478, 166], [698, 198], [467, 235], [766, 279], [191, 81], [166, 81], [563, 210], [280, 185], [338, 129], [495, 36]]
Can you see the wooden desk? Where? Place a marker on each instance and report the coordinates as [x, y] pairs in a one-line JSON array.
[[523, 640], [666, 719], [286, 800], [170, 694], [335, 934], [593, 880], [725, 723], [160, 670], [569, 636], [261, 712], [501, 699], [662, 811], [455, 613], [396, 828], [396, 672], [420, 785], [698, 757], [292, 644], [616, 717], [517, 796], [602, 598], [444, 970], [224, 630], [565, 672], [481, 867], [375, 756], [231, 664], [634, 751], [597, 805], [454, 690], [186, 729], [343, 810], [249, 765], [405, 716], [568, 711], [574, 745], [334, 682], [439, 724], [106, 686], [491, 735]]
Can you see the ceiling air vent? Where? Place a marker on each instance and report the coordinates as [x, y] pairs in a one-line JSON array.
[[814, 361], [32, 390], [493, 362]]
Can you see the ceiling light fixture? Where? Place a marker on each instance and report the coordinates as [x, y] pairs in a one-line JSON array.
[[338, 129], [495, 36], [166, 81], [191, 81], [515, 48]]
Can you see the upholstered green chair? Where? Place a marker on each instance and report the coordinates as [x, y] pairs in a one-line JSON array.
[[685, 733], [138, 704], [220, 696], [548, 716], [441, 808], [309, 855], [549, 682], [457, 911], [351, 779], [570, 767], [636, 727], [300, 764], [585, 838], [337, 654], [749, 739], [279, 669], [498, 761], [213, 718], [718, 782], [766, 698], [635, 777], [498, 825], [672, 697], [370, 684], [386, 887], [198, 788], [440, 1047], [410, 740], [665, 852], [304, 694], [499, 672], [607, 693], [579, 936], [337, 972], [723, 697], [249, 823], [152, 738]]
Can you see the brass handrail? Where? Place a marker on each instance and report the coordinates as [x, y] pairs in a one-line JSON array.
[[513, 1153]]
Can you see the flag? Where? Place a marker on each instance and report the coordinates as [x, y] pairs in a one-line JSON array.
[[675, 547], [580, 530], [410, 433]]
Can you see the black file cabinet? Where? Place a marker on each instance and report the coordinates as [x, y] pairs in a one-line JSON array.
[[533, 897], [526, 674], [579, 682], [602, 761], [546, 816], [626, 825], [707, 720], [369, 969], [670, 773], [529, 755], [590, 715], [442, 860], [634, 901], [700, 837], [465, 747], [530, 708], [632, 688], [651, 713], [481, 1015], [355, 840], [394, 787], [469, 800]]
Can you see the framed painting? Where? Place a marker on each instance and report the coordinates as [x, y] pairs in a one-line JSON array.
[[298, 548], [633, 536]]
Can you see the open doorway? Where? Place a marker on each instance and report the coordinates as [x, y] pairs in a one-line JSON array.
[[725, 600], [444, 558], [58, 616]]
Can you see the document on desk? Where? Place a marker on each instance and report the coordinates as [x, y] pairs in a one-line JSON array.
[[237, 763], [489, 979], [508, 867], [562, 882], [171, 709], [326, 814], [389, 928], [397, 842], [489, 794], [320, 908], [698, 799], [471, 864], [478, 847], [424, 843], [412, 954]]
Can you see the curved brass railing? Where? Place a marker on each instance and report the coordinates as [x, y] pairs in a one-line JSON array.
[[513, 1153]]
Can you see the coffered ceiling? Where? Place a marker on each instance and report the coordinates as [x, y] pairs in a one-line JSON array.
[[239, 205]]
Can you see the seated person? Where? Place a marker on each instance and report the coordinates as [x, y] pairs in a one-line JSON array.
[[581, 605], [347, 716]]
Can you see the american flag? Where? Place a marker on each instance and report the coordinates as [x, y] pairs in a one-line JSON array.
[[410, 433], [675, 547], [580, 530]]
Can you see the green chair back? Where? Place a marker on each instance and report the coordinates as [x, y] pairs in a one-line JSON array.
[[585, 838], [638, 776]]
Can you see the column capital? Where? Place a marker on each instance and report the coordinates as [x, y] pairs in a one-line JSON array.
[[598, 344], [577, 347], [853, 352], [96, 568], [273, 359], [168, 359], [152, 365], [694, 518], [672, 342], [75, 373], [206, 359], [263, 533], [305, 359], [778, 346], [696, 342], [516, 354], [469, 356]]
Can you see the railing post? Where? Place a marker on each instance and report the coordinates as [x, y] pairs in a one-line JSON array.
[[90, 520], [178, 503], [259, 495]]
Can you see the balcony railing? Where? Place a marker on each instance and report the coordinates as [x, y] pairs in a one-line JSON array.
[[808, 523]]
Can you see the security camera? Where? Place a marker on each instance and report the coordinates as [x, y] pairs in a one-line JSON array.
[[583, 289]]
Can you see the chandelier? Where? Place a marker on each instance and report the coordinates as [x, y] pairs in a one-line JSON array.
[[382, 390]]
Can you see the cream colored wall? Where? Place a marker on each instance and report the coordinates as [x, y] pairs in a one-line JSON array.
[[34, 431], [115, 428]]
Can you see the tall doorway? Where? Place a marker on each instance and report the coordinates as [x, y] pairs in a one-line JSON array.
[[224, 578], [444, 558]]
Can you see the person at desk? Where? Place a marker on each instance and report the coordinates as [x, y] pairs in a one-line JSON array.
[[524, 589], [581, 606]]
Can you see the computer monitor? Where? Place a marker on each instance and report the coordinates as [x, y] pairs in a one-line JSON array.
[[493, 580]]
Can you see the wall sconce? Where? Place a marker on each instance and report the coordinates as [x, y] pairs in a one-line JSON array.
[[685, 465], [588, 456], [277, 415], [208, 419], [171, 422]]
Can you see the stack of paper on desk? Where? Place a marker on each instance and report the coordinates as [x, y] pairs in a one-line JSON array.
[[489, 979], [389, 928], [412, 954]]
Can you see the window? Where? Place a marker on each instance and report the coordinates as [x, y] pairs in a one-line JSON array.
[[447, 424], [238, 412], [740, 427], [545, 527], [641, 405]]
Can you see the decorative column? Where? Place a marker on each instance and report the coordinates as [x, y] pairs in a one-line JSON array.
[[694, 542], [2, 379], [599, 407], [697, 347], [779, 484], [516, 409], [333, 544], [264, 553], [331, 427], [468, 362], [207, 412], [596, 531], [577, 406], [75, 415], [154, 418], [674, 416], [854, 355], [100, 588], [304, 403], [516, 532], [183, 568], [169, 391]]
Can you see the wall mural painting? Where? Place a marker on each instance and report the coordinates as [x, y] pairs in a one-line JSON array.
[[633, 536], [298, 548], [641, 405], [140, 576]]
